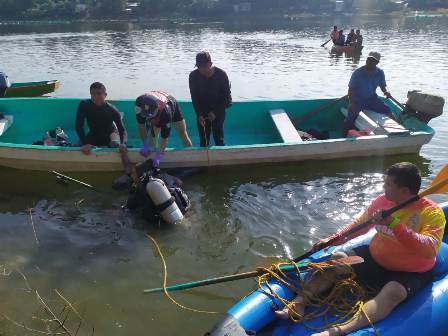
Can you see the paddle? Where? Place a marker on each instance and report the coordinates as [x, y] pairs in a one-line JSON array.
[[312, 113], [352, 260], [323, 45], [66, 178], [439, 185], [397, 102]]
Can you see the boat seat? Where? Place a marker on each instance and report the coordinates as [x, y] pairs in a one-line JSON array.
[[380, 124], [284, 126], [5, 123], [387, 123]]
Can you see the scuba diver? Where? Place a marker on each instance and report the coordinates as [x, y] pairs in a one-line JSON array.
[[157, 195]]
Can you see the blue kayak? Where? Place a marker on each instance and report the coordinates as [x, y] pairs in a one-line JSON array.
[[423, 314]]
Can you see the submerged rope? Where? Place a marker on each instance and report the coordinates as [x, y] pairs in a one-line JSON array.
[[165, 276], [345, 301]]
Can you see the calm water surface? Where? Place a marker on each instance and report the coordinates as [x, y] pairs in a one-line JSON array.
[[99, 258]]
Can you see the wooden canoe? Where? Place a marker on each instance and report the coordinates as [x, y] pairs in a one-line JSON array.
[[347, 49], [32, 89], [255, 132]]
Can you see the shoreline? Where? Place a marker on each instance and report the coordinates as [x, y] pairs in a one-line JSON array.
[[178, 19]]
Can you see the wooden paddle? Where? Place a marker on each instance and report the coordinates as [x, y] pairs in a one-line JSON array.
[[439, 185], [323, 45], [304, 266], [312, 113], [397, 102]]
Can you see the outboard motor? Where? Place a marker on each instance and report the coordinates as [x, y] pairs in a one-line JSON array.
[[423, 106], [164, 202]]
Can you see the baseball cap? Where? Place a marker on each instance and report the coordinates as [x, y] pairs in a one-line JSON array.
[[146, 106], [202, 58], [375, 55]]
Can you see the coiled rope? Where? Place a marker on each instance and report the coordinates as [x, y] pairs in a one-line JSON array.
[[345, 300]]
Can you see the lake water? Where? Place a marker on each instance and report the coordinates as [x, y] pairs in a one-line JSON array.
[[100, 259]]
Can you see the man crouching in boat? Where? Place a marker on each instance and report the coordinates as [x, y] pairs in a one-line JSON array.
[[106, 128], [399, 257]]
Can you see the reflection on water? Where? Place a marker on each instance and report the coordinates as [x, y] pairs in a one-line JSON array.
[[81, 243]]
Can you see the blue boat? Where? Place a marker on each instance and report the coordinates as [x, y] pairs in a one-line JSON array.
[[423, 314]]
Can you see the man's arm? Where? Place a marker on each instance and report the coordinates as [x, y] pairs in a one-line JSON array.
[[142, 132], [383, 85], [226, 89], [79, 123], [119, 123], [426, 242], [193, 84]]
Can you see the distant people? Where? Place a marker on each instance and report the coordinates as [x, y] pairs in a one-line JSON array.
[[350, 37], [157, 111], [4, 84], [106, 128], [210, 94], [334, 34], [358, 38], [340, 41], [362, 91]]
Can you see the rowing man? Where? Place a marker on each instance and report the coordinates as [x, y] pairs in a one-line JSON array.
[[362, 91], [399, 259]]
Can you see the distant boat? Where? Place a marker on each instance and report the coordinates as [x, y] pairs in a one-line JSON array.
[[255, 132], [32, 89], [347, 49]]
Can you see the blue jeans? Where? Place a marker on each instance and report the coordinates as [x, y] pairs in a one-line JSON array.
[[374, 104]]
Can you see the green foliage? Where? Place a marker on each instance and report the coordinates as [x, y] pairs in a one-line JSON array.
[[193, 8]]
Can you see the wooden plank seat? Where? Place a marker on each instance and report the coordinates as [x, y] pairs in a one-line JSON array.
[[379, 123], [284, 126], [5, 123]]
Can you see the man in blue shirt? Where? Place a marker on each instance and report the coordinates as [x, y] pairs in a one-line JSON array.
[[362, 91]]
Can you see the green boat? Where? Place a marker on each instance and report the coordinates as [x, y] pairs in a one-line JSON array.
[[31, 89], [255, 132]]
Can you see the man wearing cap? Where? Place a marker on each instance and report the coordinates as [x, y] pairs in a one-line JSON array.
[[157, 111], [362, 91], [210, 94]]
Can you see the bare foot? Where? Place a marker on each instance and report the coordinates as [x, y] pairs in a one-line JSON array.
[[298, 306]]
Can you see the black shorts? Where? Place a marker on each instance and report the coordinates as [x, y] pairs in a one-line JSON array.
[[177, 114], [372, 275]]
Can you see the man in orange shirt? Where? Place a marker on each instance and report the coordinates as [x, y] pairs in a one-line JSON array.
[[399, 257]]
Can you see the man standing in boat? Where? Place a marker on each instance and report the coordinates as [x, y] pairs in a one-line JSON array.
[[157, 111], [4, 84], [362, 91], [334, 34], [358, 38], [210, 95], [351, 37], [106, 128], [400, 257]]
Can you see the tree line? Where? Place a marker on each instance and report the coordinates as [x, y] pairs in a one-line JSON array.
[[188, 8]]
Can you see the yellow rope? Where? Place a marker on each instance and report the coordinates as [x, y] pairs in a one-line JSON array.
[[336, 303], [165, 276]]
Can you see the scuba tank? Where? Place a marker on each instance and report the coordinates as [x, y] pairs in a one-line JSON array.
[[164, 202]]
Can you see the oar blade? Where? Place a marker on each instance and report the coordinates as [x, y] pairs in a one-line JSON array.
[[439, 184]]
